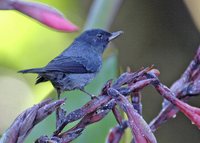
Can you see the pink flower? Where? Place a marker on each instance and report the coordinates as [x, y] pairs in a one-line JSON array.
[[41, 12], [193, 113]]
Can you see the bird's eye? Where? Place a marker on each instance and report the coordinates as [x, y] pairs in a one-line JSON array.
[[99, 36]]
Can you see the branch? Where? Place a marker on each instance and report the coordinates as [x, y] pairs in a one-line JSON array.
[[98, 108], [135, 84], [25, 122], [140, 129], [184, 88], [115, 134]]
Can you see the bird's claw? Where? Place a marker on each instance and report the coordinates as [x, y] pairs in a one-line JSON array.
[[93, 97]]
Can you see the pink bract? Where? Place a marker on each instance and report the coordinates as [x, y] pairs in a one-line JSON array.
[[45, 14]]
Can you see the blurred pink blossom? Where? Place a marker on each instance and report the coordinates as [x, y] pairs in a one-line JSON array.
[[41, 12], [193, 113]]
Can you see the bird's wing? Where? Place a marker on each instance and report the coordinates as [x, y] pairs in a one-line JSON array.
[[73, 65]]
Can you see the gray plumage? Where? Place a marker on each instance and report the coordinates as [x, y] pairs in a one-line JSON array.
[[77, 65]]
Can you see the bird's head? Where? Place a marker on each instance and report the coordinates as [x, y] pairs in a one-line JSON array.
[[98, 38]]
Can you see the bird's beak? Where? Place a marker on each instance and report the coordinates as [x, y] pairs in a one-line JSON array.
[[115, 35]]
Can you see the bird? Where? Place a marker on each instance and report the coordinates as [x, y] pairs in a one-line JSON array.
[[78, 64]]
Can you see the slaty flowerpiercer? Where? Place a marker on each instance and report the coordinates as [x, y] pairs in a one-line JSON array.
[[77, 65]]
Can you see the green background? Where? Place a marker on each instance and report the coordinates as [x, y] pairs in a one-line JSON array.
[[156, 32]]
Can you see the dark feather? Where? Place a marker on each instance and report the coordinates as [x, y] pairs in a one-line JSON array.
[[40, 79], [73, 65], [35, 70]]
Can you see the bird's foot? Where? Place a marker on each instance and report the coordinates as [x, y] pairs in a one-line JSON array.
[[91, 95]]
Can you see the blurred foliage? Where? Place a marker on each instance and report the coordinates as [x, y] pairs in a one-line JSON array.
[[103, 19], [193, 7], [156, 32]]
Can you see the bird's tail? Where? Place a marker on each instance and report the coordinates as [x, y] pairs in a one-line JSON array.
[[35, 70]]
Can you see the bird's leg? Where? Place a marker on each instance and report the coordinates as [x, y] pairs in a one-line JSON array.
[[58, 111], [58, 93], [91, 96]]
